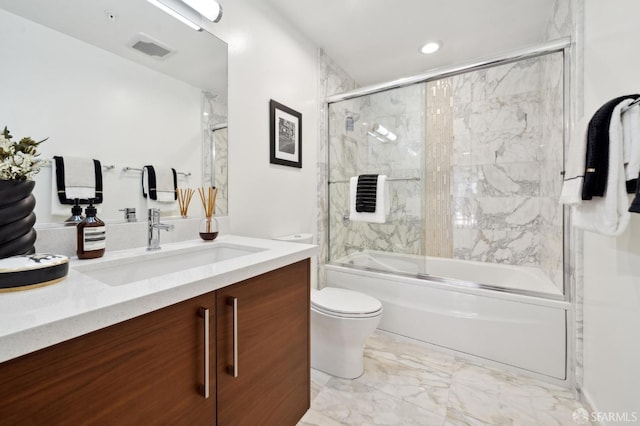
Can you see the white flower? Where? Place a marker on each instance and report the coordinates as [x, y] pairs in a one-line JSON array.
[[18, 159], [6, 147]]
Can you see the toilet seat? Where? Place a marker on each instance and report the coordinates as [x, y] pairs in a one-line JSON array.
[[343, 303]]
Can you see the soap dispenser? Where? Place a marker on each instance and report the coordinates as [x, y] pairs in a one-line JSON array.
[[76, 215], [91, 235]]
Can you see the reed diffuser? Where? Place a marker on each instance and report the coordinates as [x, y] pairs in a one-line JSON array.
[[184, 199], [209, 225]]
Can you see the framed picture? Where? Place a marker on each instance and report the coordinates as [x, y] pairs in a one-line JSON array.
[[286, 135]]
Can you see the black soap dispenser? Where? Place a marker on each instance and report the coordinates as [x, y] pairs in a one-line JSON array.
[[91, 235], [76, 215]]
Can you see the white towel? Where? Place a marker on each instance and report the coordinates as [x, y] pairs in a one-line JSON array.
[[382, 202], [574, 168], [631, 131], [80, 182], [608, 215], [79, 178], [165, 185]]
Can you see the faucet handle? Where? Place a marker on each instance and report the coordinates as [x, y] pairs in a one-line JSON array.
[[129, 214]]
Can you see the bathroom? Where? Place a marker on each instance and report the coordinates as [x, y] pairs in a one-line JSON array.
[[273, 56]]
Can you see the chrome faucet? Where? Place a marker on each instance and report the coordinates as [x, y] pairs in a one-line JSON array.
[[154, 227]]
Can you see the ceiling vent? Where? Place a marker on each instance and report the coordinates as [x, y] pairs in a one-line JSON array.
[[151, 47]]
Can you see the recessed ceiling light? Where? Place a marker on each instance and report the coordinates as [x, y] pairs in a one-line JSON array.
[[430, 47]]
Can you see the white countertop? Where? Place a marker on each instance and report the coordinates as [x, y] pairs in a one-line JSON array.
[[41, 317]]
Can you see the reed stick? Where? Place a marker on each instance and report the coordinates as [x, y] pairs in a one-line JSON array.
[[184, 199], [208, 199]]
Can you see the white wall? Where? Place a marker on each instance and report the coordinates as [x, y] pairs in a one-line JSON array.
[[92, 103], [268, 59], [612, 265]]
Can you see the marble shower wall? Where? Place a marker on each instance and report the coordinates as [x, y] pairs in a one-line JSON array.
[[215, 145], [355, 152], [552, 163], [567, 19], [332, 80], [507, 136], [488, 147]]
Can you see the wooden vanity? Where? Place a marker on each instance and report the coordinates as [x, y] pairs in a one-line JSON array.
[[238, 355]]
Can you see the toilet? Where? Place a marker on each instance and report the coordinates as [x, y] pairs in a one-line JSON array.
[[341, 321]]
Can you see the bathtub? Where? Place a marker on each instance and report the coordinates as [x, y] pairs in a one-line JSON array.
[[506, 314]]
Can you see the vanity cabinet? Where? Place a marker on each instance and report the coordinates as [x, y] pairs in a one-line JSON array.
[[262, 329], [147, 370], [153, 369]]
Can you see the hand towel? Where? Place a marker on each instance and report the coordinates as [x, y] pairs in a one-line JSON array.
[[72, 178], [597, 159], [608, 215], [635, 204], [574, 168], [366, 193], [159, 184], [382, 206], [631, 132]]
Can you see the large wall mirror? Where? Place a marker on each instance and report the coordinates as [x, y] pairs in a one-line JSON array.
[[119, 81]]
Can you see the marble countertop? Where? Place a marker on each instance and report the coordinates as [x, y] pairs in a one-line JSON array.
[[41, 317]]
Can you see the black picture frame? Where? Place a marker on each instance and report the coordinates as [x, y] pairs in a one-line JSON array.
[[285, 128]]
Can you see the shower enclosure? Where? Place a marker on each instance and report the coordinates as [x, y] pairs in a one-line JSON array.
[[474, 158], [472, 255]]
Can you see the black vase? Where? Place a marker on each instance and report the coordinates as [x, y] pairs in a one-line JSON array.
[[17, 218]]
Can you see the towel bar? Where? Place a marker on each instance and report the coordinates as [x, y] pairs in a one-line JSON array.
[[47, 163], [402, 178], [128, 169]]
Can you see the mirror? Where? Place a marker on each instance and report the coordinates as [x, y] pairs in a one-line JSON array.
[[89, 75]]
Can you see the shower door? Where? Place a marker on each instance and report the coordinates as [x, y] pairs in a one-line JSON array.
[[474, 175], [384, 134]]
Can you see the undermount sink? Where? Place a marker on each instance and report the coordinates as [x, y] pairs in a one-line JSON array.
[[152, 265]]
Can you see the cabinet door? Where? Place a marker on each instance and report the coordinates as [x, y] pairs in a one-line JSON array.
[[272, 383], [148, 370]]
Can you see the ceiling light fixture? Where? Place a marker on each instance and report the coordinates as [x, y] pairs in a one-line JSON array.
[[171, 11], [210, 9], [430, 47], [191, 12]]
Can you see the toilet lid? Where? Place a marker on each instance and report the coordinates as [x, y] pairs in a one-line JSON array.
[[344, 302]]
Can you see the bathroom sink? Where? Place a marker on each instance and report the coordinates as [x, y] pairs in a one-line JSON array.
[[152, 265]]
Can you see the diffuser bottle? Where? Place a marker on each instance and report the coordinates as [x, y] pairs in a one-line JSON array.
[[91, 235], [208, 228]]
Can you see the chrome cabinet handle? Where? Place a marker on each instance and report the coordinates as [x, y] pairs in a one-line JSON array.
[[204, 313], [233, 370]]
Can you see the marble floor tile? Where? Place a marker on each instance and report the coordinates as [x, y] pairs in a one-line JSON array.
[[409, 352], [315, 418], [406, 382], [371, 407], [315, 390]]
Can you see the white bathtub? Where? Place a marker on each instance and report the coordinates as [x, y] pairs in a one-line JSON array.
[[519, 330]]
